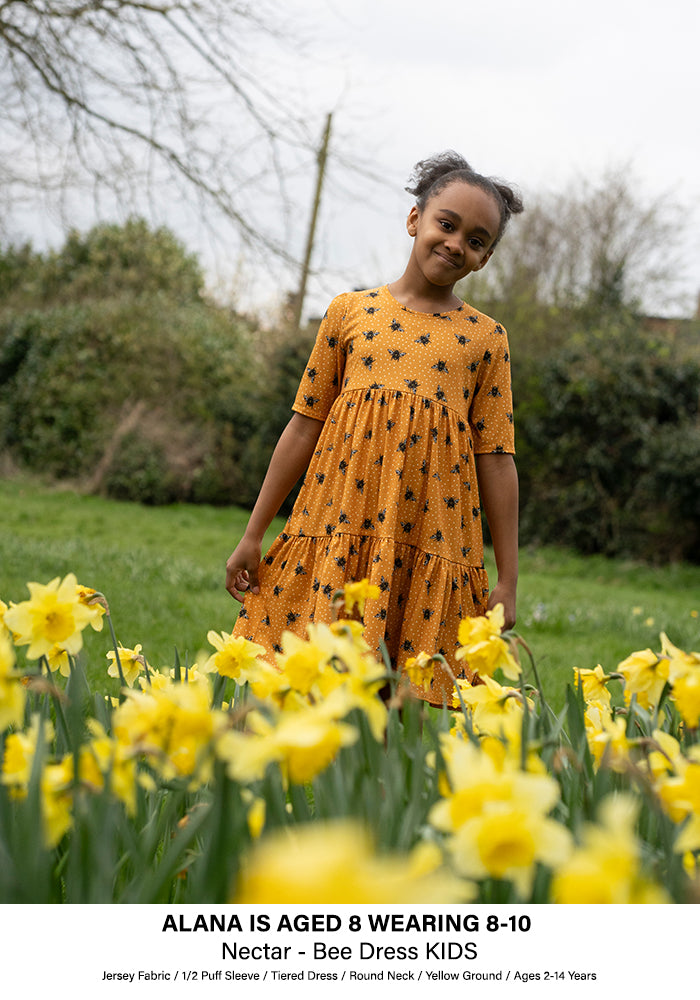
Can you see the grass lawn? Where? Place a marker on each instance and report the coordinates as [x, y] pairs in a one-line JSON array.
[[162, 571]]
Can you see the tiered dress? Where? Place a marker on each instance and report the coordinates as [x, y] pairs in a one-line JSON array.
[[391, 495]]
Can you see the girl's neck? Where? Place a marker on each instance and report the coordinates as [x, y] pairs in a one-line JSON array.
[[428, 299]]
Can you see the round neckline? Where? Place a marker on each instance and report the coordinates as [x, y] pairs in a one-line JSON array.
[[421, 312]]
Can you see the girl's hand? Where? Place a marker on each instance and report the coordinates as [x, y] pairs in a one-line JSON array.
[[505, 596], [242, 569]]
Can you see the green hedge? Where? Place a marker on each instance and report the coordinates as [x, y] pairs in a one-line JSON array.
[[609, 449]]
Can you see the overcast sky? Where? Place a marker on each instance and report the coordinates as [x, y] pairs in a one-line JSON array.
[[538, 93]]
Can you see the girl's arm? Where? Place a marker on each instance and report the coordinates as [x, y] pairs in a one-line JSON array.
[[289, 460], [498, 489]]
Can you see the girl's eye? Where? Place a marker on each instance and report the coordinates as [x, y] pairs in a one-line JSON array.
[[446, 225]]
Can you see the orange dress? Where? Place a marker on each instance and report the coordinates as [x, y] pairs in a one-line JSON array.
[[407, 400]]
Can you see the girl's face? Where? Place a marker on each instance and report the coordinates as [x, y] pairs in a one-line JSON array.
[[453, 233]]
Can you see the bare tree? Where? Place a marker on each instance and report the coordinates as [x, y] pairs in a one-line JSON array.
[[176, 100], [598, 248]]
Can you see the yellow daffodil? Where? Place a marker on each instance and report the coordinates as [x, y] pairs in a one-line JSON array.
[[483, 647], [255, 816], [4, 630], [686, 695], [495, 709], [335, 863], [306, 740], [13, 695], [607, 738], [53, 616], [665, 756], [605, 868], [594, 685], [246, 755], [645, 675], [507, 841], [131, 660], [235, 656], [497, 816], [18, 756], [356, 594], [684, 670], [96, 603], [173, 726], [301, 662], [419, 670], [680, 795], [56, 800], [104, 756]]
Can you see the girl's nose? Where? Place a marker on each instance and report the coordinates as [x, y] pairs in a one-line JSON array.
[[454, 244]]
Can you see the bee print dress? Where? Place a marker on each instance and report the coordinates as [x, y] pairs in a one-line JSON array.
[[407, 399]]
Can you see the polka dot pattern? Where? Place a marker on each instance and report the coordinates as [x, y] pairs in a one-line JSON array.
[[407, 400]]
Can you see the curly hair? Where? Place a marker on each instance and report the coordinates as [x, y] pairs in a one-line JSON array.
[[434, 173]]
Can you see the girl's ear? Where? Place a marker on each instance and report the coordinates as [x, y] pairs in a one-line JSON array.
[[412, 221], [484, 262]]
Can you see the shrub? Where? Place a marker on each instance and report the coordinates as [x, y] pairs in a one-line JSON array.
[[609, 449]]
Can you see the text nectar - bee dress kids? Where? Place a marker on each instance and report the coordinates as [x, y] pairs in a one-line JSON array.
[[391, 495]]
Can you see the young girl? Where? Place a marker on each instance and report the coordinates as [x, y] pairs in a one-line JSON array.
[[403, 423]]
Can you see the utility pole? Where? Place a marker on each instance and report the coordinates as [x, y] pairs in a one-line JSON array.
[[321, 157]]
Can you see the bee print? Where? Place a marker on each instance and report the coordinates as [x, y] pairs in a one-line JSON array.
[[412, 384], [368, 361], [311, 400], [451, 502], [396, 326], [423, 339], [396, 354], [311, 373], [441, 366], [495, 392], [360, 484], [407, 526], [299, 570], [370, 334], [292, 616], [371, 310], [487, 357], [462, 340], [343, 518]]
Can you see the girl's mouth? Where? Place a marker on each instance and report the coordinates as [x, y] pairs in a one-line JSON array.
[[448, 260]]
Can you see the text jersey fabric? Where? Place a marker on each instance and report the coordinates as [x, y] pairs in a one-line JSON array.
[[407, 399]]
